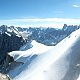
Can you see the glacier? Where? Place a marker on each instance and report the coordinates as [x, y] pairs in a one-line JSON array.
[[49, 62]]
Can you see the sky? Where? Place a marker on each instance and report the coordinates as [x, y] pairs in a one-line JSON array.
[[51, 13]]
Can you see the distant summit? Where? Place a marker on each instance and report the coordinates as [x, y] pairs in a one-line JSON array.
[[70, 28]]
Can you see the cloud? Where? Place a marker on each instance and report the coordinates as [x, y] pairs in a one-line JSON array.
[[76, 6], [34, 20], [46, 22]]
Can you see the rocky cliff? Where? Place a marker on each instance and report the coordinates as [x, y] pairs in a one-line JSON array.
[[10, 40]]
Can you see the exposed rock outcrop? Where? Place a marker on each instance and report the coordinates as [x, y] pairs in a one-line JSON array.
[[4, 77], [10, 40]]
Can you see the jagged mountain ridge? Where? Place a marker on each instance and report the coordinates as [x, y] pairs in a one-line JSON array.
[[47, 36], [50, 36]]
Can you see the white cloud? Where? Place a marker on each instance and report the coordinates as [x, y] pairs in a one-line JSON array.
[[49, 22], [62, 20], [76, 6]]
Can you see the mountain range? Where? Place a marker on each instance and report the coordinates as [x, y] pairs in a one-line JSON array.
[[60, 62], [28, 51]]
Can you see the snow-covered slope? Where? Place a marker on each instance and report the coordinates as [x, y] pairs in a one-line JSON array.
[[37, 48], [78, 78], [56, 63]]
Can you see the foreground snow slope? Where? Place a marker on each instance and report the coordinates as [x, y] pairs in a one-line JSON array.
[[58, 63], [37, 48]]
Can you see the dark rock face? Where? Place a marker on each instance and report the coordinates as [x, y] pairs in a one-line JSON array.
[[9, 41], [70, 28]]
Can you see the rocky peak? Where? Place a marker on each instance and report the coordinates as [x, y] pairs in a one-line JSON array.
[[70, 27], [10, 40]]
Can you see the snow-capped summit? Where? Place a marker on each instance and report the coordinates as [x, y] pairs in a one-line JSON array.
[[5, 28], [57, 63]]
